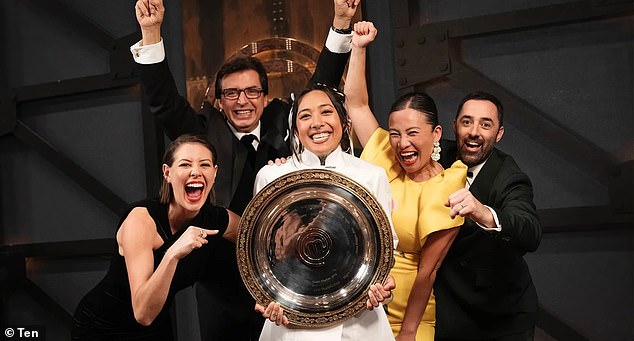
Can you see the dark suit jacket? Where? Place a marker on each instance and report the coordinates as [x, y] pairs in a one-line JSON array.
[[177, 117], [223, 299], [484, 288]]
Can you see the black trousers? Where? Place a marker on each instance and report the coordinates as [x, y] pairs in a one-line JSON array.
[[225, 307]]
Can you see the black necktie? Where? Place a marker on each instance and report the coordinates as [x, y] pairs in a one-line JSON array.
[[247, 141], [469, 178]]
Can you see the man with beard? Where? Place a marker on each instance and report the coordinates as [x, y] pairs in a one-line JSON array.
[[484, 289]]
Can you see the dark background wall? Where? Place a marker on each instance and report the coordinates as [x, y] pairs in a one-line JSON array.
[[77, 143]]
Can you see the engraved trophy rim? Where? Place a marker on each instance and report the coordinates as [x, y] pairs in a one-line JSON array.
[[339, 198]]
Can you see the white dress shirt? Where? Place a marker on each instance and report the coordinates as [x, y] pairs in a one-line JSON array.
[[474, 171]]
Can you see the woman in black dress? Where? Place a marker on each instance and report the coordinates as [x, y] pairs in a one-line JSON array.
[[163, 245]]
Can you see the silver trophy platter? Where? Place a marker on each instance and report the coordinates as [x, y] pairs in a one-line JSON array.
[[314, 241]]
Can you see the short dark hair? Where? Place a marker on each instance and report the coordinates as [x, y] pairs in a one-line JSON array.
[[337, 98], [483, 96], [166, 193], [241, 64], [420, 102]]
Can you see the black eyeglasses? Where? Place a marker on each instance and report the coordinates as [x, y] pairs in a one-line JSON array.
[[234, 93]]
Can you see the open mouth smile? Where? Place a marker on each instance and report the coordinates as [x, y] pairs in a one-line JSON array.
[[243, 112], [409, 157], [320, 137], [472, 146], [194, 191]]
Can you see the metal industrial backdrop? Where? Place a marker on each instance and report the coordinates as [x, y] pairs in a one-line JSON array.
[[77, 142]]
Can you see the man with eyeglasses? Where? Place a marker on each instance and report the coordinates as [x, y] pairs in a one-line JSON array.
[[247, 131]]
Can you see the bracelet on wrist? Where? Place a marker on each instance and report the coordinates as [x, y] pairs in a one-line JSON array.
[[342, 30]]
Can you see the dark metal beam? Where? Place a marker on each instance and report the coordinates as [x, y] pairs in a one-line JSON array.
[[554, 135], [82, 25], [70, 168], [621, 188], [421, 50], [401, 13], [558, 14], [72, 87], [421, 56], [12, 267], [153, 146], [43, 299], [8, 113], [555, 327], [581, 219], [66, 249], [122, 64]]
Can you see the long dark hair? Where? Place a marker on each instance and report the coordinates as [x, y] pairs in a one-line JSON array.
[[337, 98], [166, 193]]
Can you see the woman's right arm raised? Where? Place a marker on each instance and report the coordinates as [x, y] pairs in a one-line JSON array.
[[356, 90]]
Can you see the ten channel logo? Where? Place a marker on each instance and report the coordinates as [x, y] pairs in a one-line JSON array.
[[24, 333]]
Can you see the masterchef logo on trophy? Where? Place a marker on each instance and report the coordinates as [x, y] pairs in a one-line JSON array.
[[314, 246]]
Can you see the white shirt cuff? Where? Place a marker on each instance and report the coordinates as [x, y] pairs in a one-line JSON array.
[[148, 54], [338, 43], [497, 227]]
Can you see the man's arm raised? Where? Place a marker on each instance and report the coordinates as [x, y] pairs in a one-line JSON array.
[[149, 14]]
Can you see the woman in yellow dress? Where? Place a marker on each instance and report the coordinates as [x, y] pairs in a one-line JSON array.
[[408, 152]]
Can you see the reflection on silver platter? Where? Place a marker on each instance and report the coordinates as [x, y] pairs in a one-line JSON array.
[[314, 241]]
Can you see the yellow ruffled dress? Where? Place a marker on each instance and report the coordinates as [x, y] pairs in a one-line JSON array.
[[418, 210]]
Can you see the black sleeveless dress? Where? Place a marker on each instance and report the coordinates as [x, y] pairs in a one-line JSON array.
[[105, 313]]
